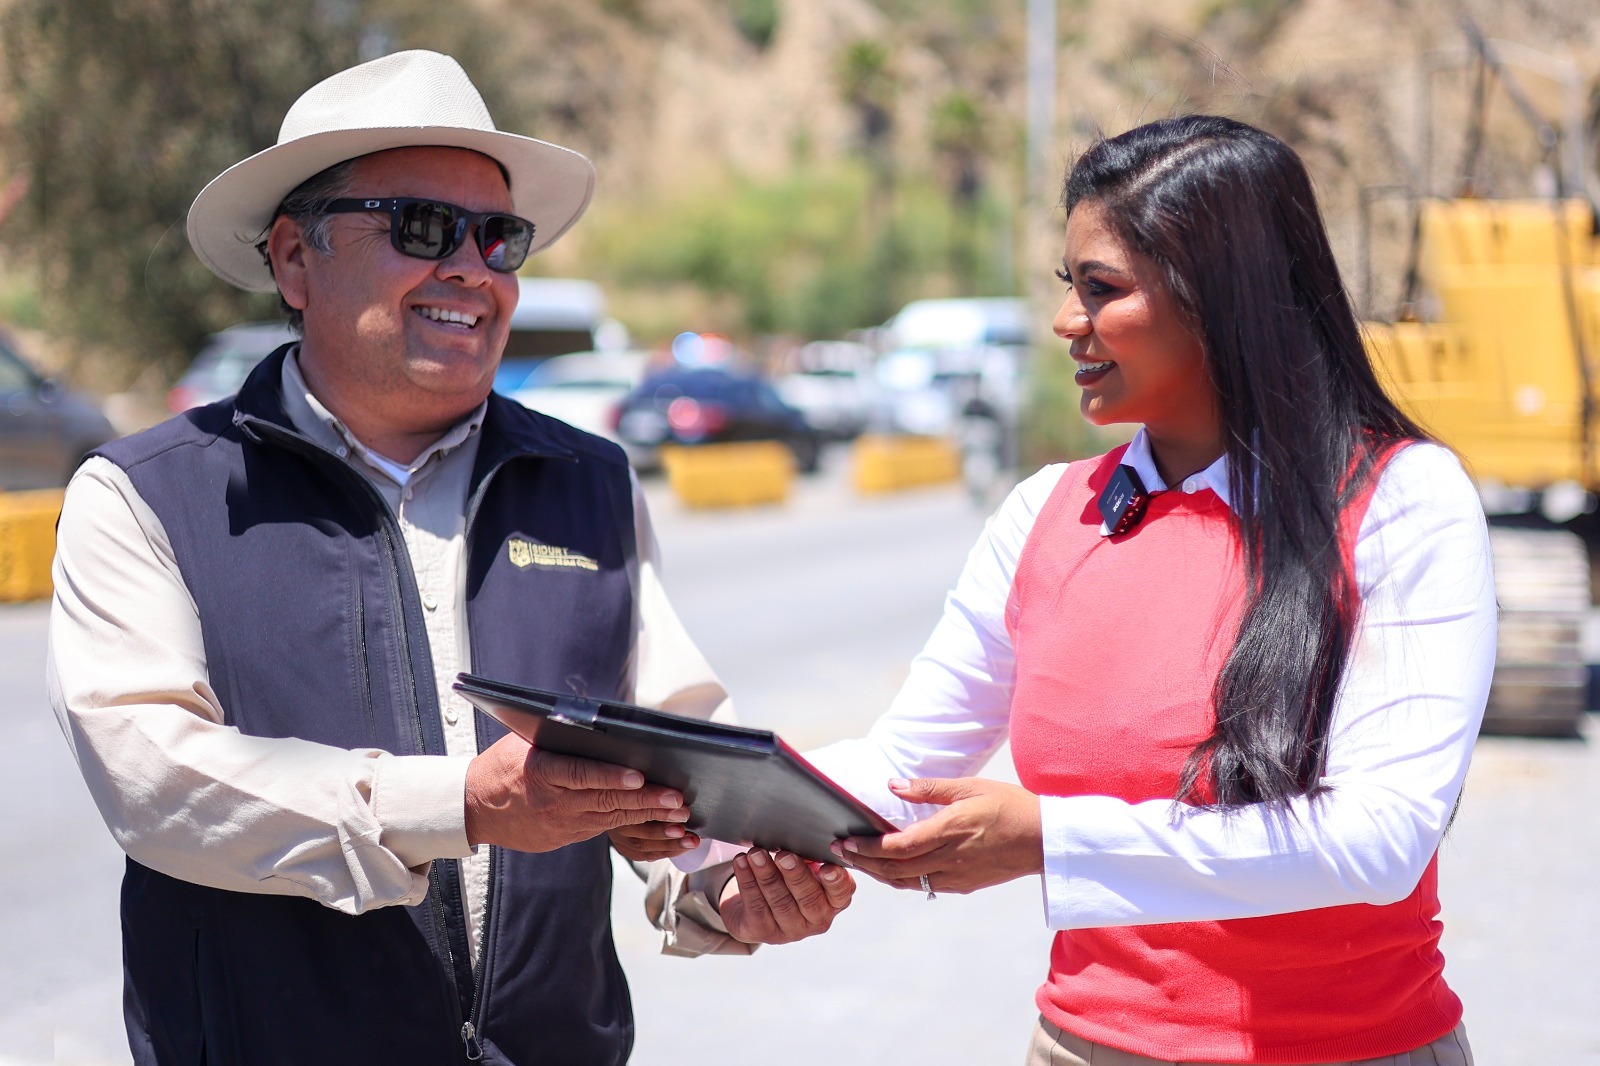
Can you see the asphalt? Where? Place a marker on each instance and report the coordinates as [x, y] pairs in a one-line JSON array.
[[811, 611]]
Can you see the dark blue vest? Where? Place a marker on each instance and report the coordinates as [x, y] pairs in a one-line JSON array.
[[313, 629]]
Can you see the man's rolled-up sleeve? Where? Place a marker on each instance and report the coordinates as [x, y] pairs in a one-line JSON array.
[[182, 791]]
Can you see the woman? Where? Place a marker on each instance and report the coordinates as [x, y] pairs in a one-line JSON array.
[[1241, 725]]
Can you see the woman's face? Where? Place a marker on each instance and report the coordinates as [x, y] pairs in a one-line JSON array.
[[1137, 360]]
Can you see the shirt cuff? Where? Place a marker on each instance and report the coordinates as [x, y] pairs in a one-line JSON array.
[[420, 801], [683, 907], [1057, 878], [708, 853]]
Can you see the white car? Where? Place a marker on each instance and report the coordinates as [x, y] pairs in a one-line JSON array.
[[831, 383], [582, 389], [838, 404]]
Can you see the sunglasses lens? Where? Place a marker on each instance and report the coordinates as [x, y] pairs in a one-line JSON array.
[[428, 230], [504, 240]]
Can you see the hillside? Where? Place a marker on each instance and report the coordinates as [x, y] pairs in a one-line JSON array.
[[669, 97], [789, 166]]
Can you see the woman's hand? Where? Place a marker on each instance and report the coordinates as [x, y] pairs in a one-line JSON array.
[[987, 834], [778, 897]]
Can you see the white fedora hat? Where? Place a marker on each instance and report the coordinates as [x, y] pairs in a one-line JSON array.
[[403, 100]]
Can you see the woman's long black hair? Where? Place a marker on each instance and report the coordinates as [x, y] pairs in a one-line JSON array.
[[1228, 214]]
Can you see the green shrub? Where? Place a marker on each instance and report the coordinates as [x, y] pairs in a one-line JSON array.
[[808, 254], [756, 20]]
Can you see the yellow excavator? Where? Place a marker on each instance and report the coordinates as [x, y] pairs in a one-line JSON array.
[[1496, 351]]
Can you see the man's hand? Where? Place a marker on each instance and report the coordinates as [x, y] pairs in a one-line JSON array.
[[530, 800], [649, 841], [989, 833], [778, 897]]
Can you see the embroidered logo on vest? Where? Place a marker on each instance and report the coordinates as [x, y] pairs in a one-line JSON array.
[[524, 554]]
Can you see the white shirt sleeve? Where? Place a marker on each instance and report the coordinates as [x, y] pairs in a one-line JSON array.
[[184, 793], [1405, 720], [670, 672], [953, 712]]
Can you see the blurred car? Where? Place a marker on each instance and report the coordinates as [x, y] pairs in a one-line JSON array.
[[224, 361], [45, 428], [960, 322], [553, 316], [957, 368], [583, 389], [916, 398], [833, 388], [559, 316], [972, 351], [703, 405]]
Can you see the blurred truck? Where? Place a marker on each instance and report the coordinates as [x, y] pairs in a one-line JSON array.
[[1506, 375], [956, 368], [1496, 351]]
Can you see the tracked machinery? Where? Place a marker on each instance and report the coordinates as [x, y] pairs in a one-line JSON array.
[[1496, 351]]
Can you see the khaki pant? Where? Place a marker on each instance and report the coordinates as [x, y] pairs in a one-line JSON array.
[[1053, 1047]]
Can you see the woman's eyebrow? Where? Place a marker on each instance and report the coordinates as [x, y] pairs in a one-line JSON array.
[[1101, 268]]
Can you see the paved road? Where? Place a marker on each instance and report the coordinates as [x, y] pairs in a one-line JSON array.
[[810, 612]]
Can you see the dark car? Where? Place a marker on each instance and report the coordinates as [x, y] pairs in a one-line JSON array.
[[704, 405], [45, 429]]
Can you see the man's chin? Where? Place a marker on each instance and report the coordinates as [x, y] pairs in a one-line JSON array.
[[452, 372], [444, 394]]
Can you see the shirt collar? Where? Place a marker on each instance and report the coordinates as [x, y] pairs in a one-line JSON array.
[[1213, 477], [312, 418]]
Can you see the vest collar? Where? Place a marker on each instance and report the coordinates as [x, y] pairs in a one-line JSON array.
[[313, 419]]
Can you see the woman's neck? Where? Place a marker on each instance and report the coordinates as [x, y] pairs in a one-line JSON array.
[[1178, 458]]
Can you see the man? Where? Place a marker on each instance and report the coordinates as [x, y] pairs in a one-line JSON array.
[[261, 605]]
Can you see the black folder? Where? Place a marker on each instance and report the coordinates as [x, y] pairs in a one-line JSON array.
[[742, 785]]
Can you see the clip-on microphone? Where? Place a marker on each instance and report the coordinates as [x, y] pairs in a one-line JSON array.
[[1123, 501]]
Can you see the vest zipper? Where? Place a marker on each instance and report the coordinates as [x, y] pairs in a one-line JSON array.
[[480, 972], [392, 544], [365, 671], [469, 1037]]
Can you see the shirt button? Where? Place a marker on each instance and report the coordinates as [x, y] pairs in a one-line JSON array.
[[430, 603], [450, 716], [1191, 485], [344, 452]]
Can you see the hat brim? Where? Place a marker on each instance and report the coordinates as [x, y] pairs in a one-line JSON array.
[[550, 186]]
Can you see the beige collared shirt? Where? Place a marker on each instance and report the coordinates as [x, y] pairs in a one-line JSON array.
[[189, 796]]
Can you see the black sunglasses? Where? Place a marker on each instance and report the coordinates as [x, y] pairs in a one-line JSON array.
[[433, 229]]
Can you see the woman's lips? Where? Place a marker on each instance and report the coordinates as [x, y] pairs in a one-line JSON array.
[[1089, 373]]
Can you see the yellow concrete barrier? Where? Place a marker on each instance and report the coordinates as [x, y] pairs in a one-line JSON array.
[[729, 475], [889, 463], [27, 543]]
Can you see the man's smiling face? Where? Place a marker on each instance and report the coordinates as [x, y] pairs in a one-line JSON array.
[[419, 339]]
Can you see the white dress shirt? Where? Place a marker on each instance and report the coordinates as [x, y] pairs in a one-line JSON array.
[[1405, 719]]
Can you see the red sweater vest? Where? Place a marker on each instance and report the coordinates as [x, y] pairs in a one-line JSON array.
[[1119, 641]]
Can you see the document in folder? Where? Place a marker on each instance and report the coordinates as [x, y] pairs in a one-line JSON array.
[[742, 785]]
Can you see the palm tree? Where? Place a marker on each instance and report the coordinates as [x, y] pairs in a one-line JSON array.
[[959, 142]]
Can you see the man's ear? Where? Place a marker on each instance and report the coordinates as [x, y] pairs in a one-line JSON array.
[[288, 250]]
